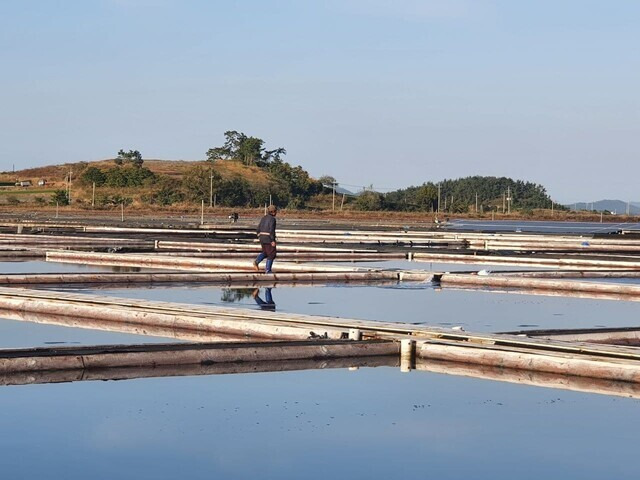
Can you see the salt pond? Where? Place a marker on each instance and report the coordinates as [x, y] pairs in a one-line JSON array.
[[364, 424]]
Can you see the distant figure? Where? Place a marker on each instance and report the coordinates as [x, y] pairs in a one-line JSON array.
[[267, 236], [267, 303], [233, 217]]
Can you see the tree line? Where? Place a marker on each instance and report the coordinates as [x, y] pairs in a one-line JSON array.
[[460, 195]]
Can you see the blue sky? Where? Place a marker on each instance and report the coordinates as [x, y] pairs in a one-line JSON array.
[[372, 92]]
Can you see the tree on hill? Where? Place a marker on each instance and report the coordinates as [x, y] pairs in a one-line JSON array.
[[93, 175], [60, 197], [198, 183], [327, 180], [243, 148], [134, 157], [129, 176]]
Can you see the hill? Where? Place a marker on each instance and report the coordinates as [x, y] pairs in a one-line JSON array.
[[613, 206], [57, 174], [162, 182]]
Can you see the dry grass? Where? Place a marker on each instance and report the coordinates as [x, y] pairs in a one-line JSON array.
[[56, 174]]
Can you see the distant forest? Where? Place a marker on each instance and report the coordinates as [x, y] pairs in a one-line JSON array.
[[461, 195]]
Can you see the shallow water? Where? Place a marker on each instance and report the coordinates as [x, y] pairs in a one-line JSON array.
[[40, 266], [475, 310], [319, 424], [370, 423], [538, 226], [19, 334]]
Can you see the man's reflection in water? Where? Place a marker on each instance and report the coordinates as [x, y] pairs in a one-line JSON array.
[[267, 303]]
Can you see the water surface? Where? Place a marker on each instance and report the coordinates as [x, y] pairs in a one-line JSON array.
[[365, 424]]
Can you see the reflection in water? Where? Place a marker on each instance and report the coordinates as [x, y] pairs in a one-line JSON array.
[[232, 295], [190, 370], [123, 269], [267, 303]]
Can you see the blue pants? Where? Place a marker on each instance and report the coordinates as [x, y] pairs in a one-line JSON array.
[[268, 252]]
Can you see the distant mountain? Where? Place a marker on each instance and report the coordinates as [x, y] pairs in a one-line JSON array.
[[340, 190], [613, 206]]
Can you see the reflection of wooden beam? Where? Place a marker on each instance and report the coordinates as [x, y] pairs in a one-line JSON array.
[[129, 373], [528, 377], [547, 293], [499, 281], [10, 254], [153, 355], [213, 278], [570, 274], [564, 262], [542, 360]]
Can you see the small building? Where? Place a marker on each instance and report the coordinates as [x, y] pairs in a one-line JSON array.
[[42, 182], [23, 183]]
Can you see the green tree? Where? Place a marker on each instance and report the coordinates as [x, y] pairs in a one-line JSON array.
[[129, 176], [327, 180], [370, 201], [60, 197], [93, 175], [246, 149], [196, 183], [134, 157], [235, 192], [426, 197]]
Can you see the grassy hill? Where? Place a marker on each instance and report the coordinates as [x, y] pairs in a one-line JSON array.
[[57, 174], [176, 182]]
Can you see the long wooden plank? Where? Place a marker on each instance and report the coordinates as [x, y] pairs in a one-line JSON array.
[[219, 278], [157, 371], [278, 324], [183, 263], [120, 356]]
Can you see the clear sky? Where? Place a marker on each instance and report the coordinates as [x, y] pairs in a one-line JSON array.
[[389, 93]]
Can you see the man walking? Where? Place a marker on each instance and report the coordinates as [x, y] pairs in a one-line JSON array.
[[267, 237]]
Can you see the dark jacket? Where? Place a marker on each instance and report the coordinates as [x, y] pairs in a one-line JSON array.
[[267, 229]]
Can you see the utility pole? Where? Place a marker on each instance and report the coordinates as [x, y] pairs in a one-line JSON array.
[[69, 188], [93, 195], [438, 209], [509, 200], [476, 202], [211, 190], [503, 203], [333, 185]]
